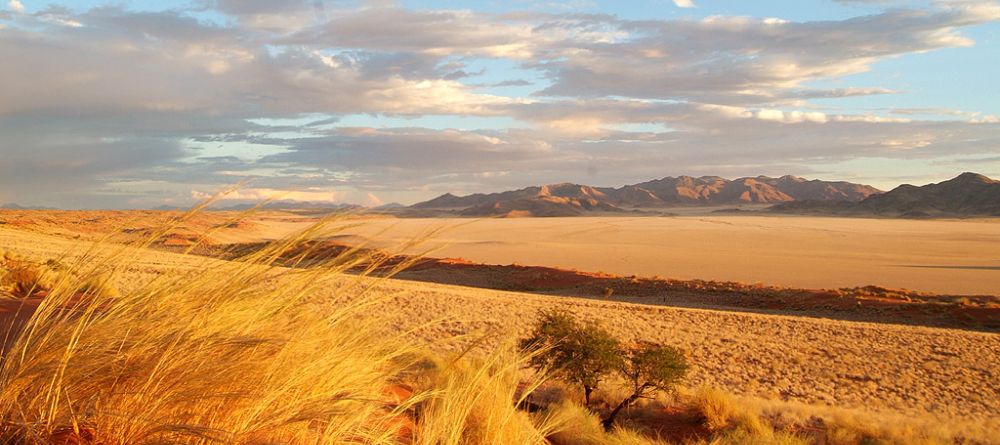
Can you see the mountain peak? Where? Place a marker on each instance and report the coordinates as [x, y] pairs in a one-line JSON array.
[[567, 199], [972, 178]]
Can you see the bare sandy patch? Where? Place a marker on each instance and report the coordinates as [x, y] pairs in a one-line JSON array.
[[942, 256]]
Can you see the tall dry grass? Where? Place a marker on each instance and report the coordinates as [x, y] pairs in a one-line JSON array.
[[248, 352], [244, 352], [470, 403], [231, 352]]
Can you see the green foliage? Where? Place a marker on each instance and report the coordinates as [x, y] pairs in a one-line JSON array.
[[652, 368], [580, 354], [649, 368], [586, 355]]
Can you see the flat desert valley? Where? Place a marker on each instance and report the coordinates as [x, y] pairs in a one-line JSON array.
[[941, 256]]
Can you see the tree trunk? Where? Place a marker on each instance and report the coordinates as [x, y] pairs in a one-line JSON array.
[[586, 395], [610, 420]]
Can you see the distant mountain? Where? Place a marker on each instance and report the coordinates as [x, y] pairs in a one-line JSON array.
[[14, 206], [389, 206], [968, 194], [574, 199], [713, 190]]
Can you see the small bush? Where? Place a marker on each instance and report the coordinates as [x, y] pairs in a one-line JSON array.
[[580, 354], [586, 355], [716, 406], [649, 369], [582, 427], [19, 278], [475, 402]]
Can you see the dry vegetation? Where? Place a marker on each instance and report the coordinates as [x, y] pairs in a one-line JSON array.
[[132, 346]]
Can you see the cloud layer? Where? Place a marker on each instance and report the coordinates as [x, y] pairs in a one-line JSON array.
[[118, 107]]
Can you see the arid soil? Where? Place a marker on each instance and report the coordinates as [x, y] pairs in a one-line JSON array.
[[912, 370], [954, 257], [941, 256], [919, 371], [869, 303]]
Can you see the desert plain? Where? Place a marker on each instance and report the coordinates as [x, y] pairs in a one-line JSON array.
[[941, 256], [859, 367]]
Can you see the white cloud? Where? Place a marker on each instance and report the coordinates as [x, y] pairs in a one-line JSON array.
[[15, 5], [261, 194], [120, 99], [684, 3]]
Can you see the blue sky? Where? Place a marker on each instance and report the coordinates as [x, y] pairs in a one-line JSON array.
[[141, 104]]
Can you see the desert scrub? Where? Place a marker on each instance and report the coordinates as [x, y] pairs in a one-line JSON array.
[[716, 407], [225, 352], [475, 401], [20, 277], [244, 352], [580, 426], [581, 354], [587, 354]]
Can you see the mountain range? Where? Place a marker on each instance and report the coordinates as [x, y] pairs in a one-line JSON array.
[[573, 199], [968, 194]]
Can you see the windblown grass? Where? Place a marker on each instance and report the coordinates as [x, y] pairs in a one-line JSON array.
[[232, 352], [250, 352], [471, 404]]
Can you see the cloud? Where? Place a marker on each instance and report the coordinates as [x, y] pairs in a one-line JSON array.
[[15, 5], [684, 3], [111, 106], [261, 194], [742, 60]]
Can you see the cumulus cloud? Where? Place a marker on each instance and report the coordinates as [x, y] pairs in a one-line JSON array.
[[684, 3], [130, 107]]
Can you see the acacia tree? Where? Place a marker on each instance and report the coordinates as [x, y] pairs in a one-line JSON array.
[[580, 354], [648, 369], [587, 354]]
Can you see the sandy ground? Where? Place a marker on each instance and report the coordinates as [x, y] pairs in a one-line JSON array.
[[945, 373], [886, 368], [942, 256]]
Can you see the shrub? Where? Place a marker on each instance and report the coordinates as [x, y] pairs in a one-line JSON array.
[[474, 401], [581, 427], [715, 406], [649, 369], [20, 278], [587, 354], [580, 354]]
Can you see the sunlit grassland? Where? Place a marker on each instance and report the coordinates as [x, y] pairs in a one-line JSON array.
[[252, 352]]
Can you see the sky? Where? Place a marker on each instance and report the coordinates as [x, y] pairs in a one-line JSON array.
[[151, 103]]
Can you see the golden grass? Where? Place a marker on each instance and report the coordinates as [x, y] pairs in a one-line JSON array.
[[580, 426], [475, 402], [716, 406], [206, 355], [248, 352], [240, 352]]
